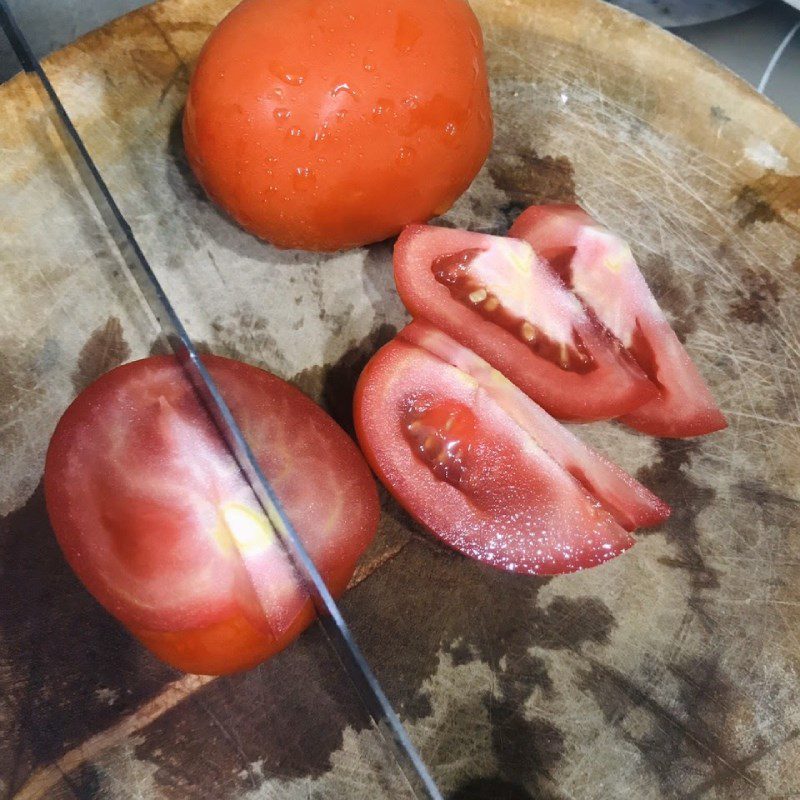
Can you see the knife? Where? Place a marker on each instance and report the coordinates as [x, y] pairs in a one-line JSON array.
[[336, 629]]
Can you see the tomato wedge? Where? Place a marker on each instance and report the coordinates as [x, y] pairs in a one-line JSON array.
[[453, 457], [631, 504], [494, 296], [155, 518], [600, 269]]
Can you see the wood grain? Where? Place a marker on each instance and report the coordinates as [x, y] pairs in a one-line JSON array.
[[671, 672]]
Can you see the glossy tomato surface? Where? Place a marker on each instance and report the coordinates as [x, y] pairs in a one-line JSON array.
[[630, 503], [155, 518], [493, 295], [326, 124], [600, 268], [453, 458]]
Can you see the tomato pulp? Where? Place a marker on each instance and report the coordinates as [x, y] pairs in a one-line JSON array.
[[156, 520]]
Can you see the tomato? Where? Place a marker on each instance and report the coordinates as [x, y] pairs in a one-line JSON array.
[[601, 270], [154, 516], [326, 124], [455, 459], [494, 296], [631, 504]]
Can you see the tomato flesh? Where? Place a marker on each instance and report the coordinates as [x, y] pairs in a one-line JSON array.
[[327, 124], [494, 296], [154, 516], [631, 504], [600, 269], [461, 466]]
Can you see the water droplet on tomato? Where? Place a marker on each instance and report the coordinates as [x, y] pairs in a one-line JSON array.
[[451, 129], [287, 75], [405, 155], [303, 178], [295, 132], [343, 87], [282, 114]]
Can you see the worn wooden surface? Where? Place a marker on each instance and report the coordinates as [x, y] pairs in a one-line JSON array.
[[671, 672]]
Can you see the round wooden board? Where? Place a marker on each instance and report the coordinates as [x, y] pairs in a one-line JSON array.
[[670, 672]]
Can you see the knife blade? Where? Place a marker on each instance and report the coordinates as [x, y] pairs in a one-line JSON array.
[[333, 623]]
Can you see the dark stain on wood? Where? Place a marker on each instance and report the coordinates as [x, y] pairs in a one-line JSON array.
[[105, 349], [758, 293], [669, 479], [691, 728], [680, 294], [334, 385], [246, 337], [288, 716], [772, 197], [479, 615], [569, 623], [529, 179], [69, 670], [718, 114], [526, 749], [161, 347], [493, 789]]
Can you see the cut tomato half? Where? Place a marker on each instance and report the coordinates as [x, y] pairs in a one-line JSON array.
[[458, 462], [600, 269], [630, 503], [155, 518], [493, 295]]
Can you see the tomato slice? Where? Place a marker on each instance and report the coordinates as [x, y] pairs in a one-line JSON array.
[[631, 504], [468, 472], [494, 296], [155, 518], [600, 269]]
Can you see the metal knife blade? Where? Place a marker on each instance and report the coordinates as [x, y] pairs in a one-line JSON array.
[[337, 630]]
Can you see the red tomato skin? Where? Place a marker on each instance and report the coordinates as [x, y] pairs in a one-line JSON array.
[[328, 124], [224, 648], [524, 513], [129, 527], [616, 387], [621, 299]]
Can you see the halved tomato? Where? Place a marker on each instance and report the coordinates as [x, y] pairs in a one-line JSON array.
[[630, 503], [456, 460], [600, 269], [493, 295], [155, 518]]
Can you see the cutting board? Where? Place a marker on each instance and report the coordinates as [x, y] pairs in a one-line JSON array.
[[671, 672]]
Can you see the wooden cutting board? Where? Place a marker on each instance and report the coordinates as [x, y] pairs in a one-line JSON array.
[[671, 672]]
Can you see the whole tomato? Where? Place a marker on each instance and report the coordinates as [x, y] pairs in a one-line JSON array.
[[327, 124]]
